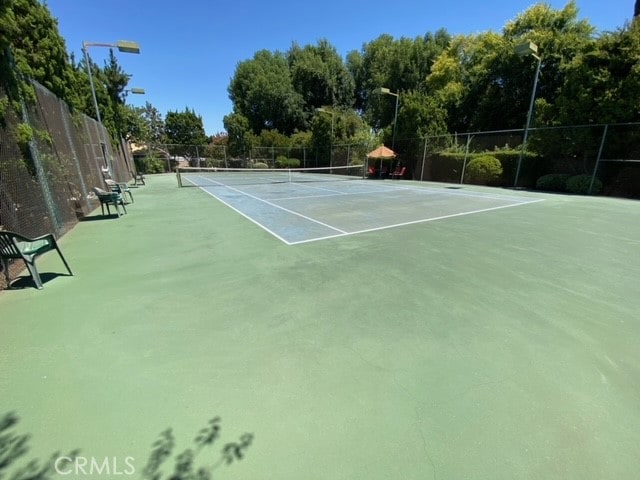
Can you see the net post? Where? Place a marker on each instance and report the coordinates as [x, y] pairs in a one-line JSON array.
[[178, 177]]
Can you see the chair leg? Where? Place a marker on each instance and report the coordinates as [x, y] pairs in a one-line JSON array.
[[5, 267], [102, 207], [34, 274], [123, 207], [63, 259]]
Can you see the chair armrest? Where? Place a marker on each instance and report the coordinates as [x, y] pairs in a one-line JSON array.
[[46, 236]]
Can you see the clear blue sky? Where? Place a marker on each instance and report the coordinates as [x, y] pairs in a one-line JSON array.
[[190, 48]]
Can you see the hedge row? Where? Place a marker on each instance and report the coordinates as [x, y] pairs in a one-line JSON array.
[[562, 182], [447, 167]]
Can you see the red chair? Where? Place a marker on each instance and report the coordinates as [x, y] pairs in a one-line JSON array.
[[398, 172]]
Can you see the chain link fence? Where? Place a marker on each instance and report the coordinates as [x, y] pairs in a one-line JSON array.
[[50, 159], [606, 156], [166, 157]]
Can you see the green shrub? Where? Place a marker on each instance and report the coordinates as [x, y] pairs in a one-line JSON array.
[[445, 167], [553, 182], [24, 133], [150, 164], [214, 163], [261, 165], [284, 162], [627, 183], [484, 170], [580, 184]]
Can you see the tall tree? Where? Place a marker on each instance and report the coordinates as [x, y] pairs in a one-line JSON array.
[[484, 85], [185, 133], [262, 91], [320, 76], [400, 65], [155, 124], [602, 83], [115, 82], [239, 134], [29, 34]]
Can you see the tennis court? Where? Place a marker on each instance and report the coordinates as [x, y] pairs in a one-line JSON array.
[[501, 344], [306, 205]]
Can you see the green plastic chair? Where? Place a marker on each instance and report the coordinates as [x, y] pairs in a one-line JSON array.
[[109, 198], [120, 188], [18, 247]]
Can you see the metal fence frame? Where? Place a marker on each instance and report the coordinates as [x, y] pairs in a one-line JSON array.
[[594, 145]]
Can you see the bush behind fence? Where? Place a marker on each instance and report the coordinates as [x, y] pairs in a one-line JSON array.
[[608, 154]]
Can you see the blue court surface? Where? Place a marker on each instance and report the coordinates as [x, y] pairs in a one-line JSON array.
[[301, 212]]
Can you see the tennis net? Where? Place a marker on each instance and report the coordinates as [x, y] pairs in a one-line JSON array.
[[211, 177]]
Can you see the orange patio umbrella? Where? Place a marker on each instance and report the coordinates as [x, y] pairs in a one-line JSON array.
[[382, 153]]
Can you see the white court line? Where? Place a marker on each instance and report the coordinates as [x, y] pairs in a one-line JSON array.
[[241, 212], [415, 221], [421, 190], [453, 192], [273, 205], [340, 194], [316, 188], [424, 191], [342, 233]]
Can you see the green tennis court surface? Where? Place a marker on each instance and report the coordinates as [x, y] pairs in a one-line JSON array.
[[305, 209], [498, 345]]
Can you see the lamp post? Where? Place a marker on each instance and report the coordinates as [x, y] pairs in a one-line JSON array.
[[329, 112], [134, 91], [386, 91], [524, 49], [122, 46]]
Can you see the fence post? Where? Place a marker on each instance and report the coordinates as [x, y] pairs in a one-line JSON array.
[[42, 176], [595, 169], [466, 155], [424, 158]]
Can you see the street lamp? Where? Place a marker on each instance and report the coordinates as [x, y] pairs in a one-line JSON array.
[[124, 46], [386, 91], [133, 91], [524, 49], [329, 112]]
